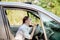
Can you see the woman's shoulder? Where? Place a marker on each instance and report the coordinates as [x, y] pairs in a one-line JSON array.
[[22, 26]]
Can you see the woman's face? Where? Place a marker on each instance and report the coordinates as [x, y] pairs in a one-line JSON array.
[[29, 21]]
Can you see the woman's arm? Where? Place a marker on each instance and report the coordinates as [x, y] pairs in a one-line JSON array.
[[33, 32]]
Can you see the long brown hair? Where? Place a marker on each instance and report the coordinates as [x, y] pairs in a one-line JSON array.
[[25, 18]]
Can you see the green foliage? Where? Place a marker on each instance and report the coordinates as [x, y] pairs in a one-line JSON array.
[[51, 5]]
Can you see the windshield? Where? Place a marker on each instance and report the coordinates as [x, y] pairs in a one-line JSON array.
[[52, 27]]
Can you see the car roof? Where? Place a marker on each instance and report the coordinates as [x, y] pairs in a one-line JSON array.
[[30, 6]]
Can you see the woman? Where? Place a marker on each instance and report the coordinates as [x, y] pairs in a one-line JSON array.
[[24, 30]]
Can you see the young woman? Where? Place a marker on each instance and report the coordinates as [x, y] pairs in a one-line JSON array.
[[24, 30]]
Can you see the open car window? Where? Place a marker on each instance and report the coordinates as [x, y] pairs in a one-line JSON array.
[[15, 17], [52, 27]]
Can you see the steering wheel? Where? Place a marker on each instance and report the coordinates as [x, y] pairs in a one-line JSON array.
[[39, 31], [49, 32]]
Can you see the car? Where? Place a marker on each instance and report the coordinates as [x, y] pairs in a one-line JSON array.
[[48, 26]]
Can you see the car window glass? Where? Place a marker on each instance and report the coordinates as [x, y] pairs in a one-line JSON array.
[[52, 27]]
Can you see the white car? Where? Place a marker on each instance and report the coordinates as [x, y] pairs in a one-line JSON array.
[[48, 29]]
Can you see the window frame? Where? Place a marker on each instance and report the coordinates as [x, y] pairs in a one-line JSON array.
[[7, 26]]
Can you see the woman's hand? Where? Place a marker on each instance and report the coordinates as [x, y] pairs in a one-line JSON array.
[[33, 24], [34, 27]]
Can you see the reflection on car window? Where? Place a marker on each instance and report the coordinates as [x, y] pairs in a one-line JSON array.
[[52, 27]]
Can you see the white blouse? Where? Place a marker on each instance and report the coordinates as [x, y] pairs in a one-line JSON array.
[[23, 32]]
